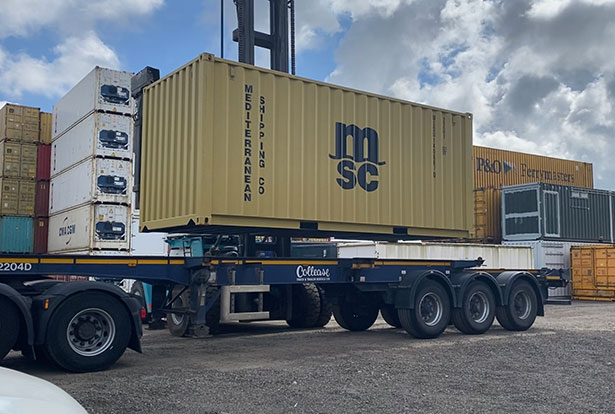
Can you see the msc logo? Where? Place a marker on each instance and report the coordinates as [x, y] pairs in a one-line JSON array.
[[494, 167], [358, 162]]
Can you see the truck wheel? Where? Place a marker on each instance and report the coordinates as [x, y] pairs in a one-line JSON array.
[[137, 290], [178, 323], [305, 306], [521, 310], [477, 311], [326, 310], [9, 326], [431, 312], [390, 316], [356, 316], [88, 332]]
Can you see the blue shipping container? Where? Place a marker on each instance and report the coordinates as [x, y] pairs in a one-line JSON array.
[[16, 234]]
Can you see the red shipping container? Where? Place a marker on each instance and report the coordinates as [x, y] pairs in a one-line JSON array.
[[43, 162], [41, 204], [41, 235]]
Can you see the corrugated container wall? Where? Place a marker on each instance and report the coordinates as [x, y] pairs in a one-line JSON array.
[[16, 234], [19, 123], [100, 90], [495, 168], [43, 162], [18, 160], [496, 256], [593, 272], [488, 214], [227, 144], [46, 127], [555, 212], [41, 206], [41, 235], [17, 197]]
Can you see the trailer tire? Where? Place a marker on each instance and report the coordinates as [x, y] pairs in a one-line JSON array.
[[9, 326], [356, 316], [305, 306], [88, 332], [178, 324], [431, 313], [477, 311], [326, 309], [390, 316], [520, 312], [137, 290]]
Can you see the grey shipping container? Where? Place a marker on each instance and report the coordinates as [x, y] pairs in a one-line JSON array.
[[542, 211]]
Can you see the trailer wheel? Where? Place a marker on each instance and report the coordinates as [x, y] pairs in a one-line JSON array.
[[305, 306], [477, 311], [390, 316], [356, 316], [178, 323], [326, 309], [88, 332], [431, 313], [9, 326], [520, 313]]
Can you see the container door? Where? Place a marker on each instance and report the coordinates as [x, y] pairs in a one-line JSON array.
[[521, 214], [551, 214]]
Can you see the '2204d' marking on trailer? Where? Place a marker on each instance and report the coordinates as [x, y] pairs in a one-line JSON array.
[[313, 274], [13, 267], [355, 166]]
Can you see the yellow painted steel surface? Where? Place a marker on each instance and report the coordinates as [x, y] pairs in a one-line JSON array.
[[488, 214], [593, 272], [19, 123], [17, 160], [227, 144], [495, 168], [46, 128]]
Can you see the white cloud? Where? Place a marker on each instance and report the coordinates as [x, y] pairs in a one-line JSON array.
[[75, 58]]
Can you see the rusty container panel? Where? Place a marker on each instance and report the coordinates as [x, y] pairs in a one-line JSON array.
[[41, 235], [593, 272], [9, 196], [46, 128], [41, 205], [10, 159], [228, 144], [43, 162], [488, 214], [495, 168]]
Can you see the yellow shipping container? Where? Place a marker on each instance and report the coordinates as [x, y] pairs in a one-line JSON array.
[[28, 160], [593, 272], [46, 127], [488, 214], [20, 123], [10, 159], [9, 196], [228, 144], [27, 190], [495, 168]]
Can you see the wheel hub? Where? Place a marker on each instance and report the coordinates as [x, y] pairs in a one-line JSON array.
[[522, 305], [430, 308], [479, 307], [90, 332]]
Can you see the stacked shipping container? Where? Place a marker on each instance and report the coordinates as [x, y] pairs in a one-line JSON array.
[[43, 175], [90, 188], [593, 272], [19, 136]]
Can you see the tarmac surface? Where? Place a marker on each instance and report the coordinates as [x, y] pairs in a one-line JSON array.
[[564, 363]]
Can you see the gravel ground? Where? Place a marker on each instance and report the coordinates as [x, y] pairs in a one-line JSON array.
[[565, 363]]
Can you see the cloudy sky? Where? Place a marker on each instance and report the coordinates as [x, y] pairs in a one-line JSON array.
[[538, 75]]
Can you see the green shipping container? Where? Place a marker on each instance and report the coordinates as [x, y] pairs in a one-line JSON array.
[[16, 234]]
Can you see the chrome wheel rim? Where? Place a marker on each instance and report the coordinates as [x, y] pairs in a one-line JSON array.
[[91, 332], [430, 309], [176, 318], [522, 305], [479, 307]]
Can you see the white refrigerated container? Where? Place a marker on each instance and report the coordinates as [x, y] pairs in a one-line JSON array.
[[146, 244], [90, 227], [98, 135], [102, 89], [96, 180], [496, 256]]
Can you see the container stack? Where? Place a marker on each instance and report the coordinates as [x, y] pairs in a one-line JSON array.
[[19, 136], [90, 188], [43, 175]]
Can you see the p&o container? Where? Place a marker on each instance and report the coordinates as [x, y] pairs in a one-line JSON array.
[[98, 135], [556, 212], [231, 145], [102, 89], [90, 227], [19, 123], [16, 234], [96, 180], [593, 272]]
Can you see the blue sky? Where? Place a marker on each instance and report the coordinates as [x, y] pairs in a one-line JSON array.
[[538, 75]]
